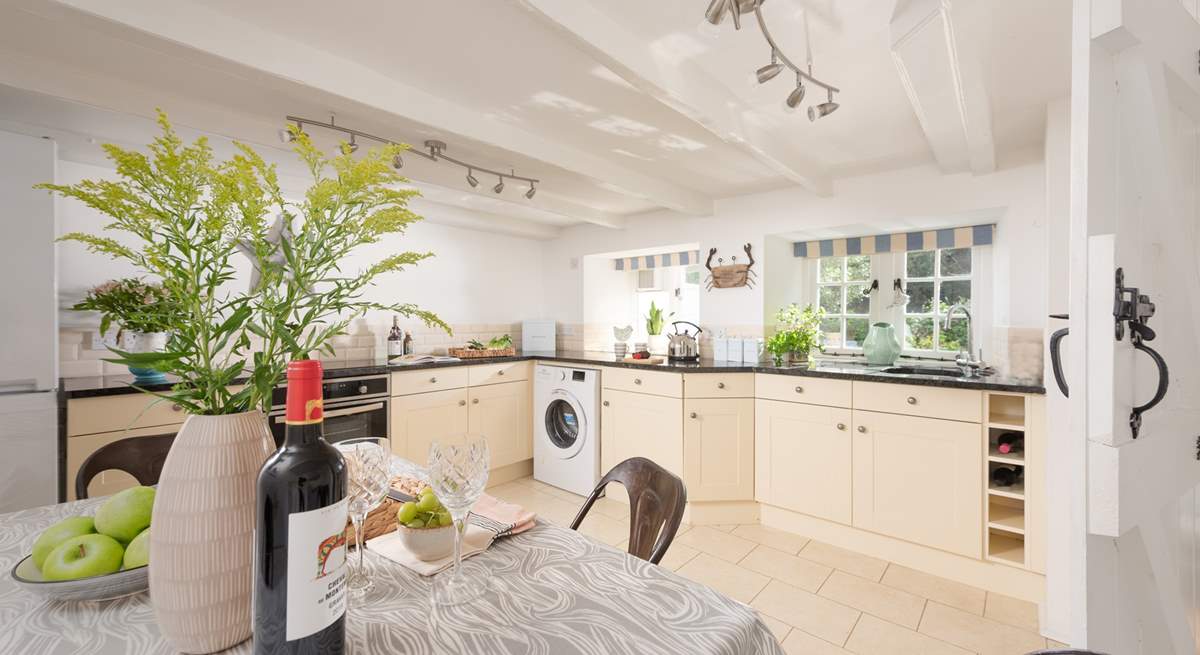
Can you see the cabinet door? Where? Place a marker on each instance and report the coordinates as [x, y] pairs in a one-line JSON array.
[[718, 448], [108, 482], [501, 413], [803, 458], [419, 419], [919, 479], [641, 425]]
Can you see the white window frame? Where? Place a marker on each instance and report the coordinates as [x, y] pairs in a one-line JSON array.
[[902, 314], [843, 287]]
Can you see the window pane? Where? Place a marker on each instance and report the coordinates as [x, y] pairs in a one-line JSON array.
[[830, 269], [956, 337], [856, 331], [856, 302], [919, 335], [920, 298], [831, 300], [858, 267], [831, 328], [919, 263], [953, 293], [955, 261]]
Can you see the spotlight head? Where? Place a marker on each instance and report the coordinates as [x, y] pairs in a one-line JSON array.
[[286, 136], [397, 162], [499, 186], [530, 193], [353, 145], [794, 98], [471, 179], [768, 72], [822, 110]]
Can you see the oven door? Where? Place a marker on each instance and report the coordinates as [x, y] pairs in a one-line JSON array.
[[352, 419]]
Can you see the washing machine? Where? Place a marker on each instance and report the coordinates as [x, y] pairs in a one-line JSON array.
[[566, 432]]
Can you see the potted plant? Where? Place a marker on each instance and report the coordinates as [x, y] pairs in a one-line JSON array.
[[655, 320], [797, 334], [143, 313], [191, 216]]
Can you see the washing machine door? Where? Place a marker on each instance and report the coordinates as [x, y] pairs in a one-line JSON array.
[[566, 424]]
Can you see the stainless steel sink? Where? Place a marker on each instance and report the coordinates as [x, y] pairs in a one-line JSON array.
[[924, 370]]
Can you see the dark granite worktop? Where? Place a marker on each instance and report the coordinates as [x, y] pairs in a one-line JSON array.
[[845, 370]]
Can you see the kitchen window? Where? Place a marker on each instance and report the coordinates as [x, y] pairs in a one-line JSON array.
[[935, 281], [841, 283]]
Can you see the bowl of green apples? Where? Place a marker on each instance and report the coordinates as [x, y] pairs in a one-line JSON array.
[[96, 557], [425, 527]]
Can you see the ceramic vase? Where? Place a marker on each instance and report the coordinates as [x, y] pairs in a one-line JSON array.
[[882, 346], [202, 531], [147, 342], [658, 343]]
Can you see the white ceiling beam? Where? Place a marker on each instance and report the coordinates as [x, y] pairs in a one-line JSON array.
[[203, 29], [945, 85], [682, 86]]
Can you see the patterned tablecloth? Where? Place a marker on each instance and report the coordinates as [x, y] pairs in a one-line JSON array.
[[555, 592]]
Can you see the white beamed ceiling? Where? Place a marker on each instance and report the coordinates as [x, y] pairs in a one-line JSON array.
[[619, 106]]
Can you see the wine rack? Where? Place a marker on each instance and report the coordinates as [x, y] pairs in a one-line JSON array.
[[1007, 417]]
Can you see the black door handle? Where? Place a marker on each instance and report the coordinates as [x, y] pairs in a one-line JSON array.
[[1056, 356]]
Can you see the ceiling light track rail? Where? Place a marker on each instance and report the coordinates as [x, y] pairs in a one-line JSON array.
[[783, 59], [436, 152]]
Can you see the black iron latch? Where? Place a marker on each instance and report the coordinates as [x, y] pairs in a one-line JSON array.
[[1133, 309]]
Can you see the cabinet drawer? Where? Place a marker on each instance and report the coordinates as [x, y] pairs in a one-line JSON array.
[[112, 413], [431, 379], [801, 389], [653, 382], [933, 402], [496, 373], [718, 385]]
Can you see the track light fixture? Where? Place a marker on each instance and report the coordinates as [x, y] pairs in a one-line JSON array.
[[715, 14], [435, 151], [531, 192]]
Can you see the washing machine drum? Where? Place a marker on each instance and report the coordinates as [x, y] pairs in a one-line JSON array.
[[566, 424]]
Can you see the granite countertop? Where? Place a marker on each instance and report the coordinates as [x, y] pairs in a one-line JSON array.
[[846, 370]]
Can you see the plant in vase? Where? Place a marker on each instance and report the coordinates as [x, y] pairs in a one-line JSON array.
[[192, 215], [655, 320], [797, 333], [142, 311]]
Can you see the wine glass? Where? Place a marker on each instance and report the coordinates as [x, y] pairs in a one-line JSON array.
[[458, 472], [368, 477]]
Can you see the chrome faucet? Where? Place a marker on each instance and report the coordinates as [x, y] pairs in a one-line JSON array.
[[966, 360]]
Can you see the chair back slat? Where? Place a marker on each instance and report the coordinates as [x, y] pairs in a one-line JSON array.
[[657, 499], [141, 457]]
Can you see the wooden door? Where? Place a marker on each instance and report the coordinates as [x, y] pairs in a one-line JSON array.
[[419, 419], [641, 425], [803, 458], [718, 448], [919, 479], [502, 414]]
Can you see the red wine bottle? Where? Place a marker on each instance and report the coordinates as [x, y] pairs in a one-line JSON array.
[[299, 541], [395, 341], [1010, 443]]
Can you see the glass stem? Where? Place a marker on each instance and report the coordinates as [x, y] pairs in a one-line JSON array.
[[460, 528], [358, 520]]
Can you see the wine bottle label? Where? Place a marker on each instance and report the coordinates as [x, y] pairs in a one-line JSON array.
[[395, 348], [316, 575]]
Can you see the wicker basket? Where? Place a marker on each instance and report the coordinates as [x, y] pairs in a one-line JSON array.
[[467, 353]]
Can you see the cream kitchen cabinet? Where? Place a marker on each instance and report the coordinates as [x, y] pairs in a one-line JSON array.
[[919, 479], [641, 425], [421, 418], [502, 413], [718, 448], [106, 482], [803, 458]]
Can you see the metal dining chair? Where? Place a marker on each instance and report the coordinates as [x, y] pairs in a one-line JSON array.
[[141, 457], [657, 499]]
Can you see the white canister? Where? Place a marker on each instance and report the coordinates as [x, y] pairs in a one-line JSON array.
[[734, 350], [752, 350], [720, 349]]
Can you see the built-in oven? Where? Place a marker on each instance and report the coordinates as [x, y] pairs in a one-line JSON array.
[[354, 408]]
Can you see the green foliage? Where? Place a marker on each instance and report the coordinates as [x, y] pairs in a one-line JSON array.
[[189, 212], [500, 343], [132, 304], [797, 331], [655, 319]]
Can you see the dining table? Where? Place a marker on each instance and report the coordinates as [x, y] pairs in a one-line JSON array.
[[552, 591]]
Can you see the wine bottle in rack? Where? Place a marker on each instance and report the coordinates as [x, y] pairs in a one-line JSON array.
[[299, 540], [1010, 443]]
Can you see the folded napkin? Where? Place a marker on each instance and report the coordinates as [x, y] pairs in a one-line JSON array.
[[475, 541], [501, 518]]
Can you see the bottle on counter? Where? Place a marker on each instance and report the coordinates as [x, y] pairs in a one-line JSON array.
[[408, 343], [299, 539], [396, 341]]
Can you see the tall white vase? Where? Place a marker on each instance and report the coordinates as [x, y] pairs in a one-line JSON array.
[[202, 530]]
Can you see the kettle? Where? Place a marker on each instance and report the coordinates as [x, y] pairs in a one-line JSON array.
[[683, 346]]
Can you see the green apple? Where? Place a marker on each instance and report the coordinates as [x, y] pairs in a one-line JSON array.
[[58, 533], [126, 514], [83, 557], [138, 552]]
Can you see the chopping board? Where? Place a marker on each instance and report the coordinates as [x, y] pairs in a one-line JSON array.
[[652, 359]]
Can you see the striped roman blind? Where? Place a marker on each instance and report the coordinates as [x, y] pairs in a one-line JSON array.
[[685, 258], [957, 237]]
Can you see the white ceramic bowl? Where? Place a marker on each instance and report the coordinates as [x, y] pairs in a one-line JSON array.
[[427, 544], [98, 587]]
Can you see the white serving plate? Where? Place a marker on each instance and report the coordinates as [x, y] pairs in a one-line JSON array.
[[98, 587]]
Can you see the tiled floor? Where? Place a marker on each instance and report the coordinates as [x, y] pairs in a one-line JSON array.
[[817, 598]]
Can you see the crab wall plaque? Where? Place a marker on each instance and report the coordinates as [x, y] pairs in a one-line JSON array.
[[733, 274]]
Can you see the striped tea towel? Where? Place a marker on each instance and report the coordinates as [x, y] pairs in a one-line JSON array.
[[501, 518]]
